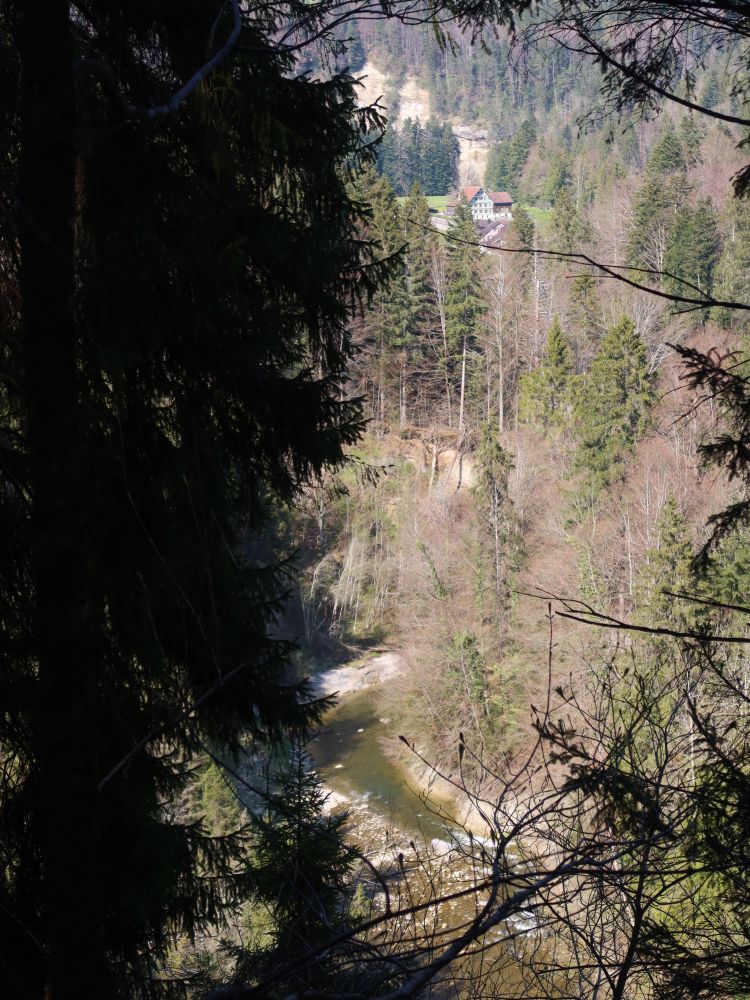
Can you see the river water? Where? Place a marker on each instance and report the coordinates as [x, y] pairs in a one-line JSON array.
[[387, 811], [349, 755]]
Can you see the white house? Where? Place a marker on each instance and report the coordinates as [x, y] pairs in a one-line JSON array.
[[487, 206]]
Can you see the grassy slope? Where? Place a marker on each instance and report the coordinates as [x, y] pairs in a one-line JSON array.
[[539, 215], [437, 202]]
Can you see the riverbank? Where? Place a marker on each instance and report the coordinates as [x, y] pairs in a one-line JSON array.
[[357, 676], [368, 770]]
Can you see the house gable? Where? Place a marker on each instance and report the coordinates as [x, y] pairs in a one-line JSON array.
[[486, 206]]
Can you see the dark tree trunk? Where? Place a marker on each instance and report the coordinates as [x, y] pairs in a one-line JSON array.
[[66, 709]]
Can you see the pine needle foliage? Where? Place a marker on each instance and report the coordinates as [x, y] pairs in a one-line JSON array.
[[174, 340], [546, 393], [301, 873], [670, 569], [613, 405]]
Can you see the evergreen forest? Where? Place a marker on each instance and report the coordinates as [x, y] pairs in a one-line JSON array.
[[375, 577]]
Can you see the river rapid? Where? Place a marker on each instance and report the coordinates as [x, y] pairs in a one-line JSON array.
[[354, 755], [366, 772], [351, 756]]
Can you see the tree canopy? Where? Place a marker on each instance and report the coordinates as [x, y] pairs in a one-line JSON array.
[[183, 251], [179, 276], [614, 404]]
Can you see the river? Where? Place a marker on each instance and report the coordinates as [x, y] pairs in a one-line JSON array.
[[387, 811], [349, 754]]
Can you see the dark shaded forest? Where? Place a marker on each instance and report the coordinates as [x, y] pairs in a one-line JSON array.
[[270, 407]]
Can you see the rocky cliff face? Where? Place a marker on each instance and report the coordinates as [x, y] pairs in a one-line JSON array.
[[475, 148], [414, 102]]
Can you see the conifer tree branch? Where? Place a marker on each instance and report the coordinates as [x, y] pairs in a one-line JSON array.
[[104, 74], [577, 610], [183, 716], [604, 56]]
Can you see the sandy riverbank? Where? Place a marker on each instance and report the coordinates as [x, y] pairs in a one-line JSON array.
[[343, 680], [446, 797]]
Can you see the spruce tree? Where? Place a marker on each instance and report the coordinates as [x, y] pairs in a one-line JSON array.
[[421, 240], [569, 228], [219, 805], [668, 154], [523, 230], [732, 273], [506, 161], [406, 170], [518, 154], [669, 569], [415, 138], [690, 136], [387, 161], [438, 159], [728, 575], [421, 320], [464, 301], [450, 151], [585, 318], [430, 167], [387, 322], [522, 234], [613, 406], [693, 249], [300, 873], [558, 177], [181, 281], [496, 172], [545, 394], [712, 90], [664, 189]]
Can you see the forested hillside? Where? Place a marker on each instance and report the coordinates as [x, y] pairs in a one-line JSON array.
[[533, 430], [527, 415], [374, 589]]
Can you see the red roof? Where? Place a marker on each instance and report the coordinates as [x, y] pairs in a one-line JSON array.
[[498, 197]]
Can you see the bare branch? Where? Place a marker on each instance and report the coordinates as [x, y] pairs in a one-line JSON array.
[[614, 271], [104, 74]]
